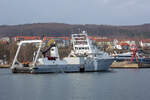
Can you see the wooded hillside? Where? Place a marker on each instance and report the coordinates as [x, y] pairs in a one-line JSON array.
[[61, 29]]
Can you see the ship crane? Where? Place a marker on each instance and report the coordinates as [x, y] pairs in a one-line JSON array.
[[134, 51], [51, 46]]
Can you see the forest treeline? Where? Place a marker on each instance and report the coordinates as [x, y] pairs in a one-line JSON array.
[[61, 29], [26, 54]]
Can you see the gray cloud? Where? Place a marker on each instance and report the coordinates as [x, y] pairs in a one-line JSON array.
[[116, 12]]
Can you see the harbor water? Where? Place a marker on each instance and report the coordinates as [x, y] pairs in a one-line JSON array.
[[116, 84]]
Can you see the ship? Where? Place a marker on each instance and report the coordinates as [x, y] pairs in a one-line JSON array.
[[84, 57]]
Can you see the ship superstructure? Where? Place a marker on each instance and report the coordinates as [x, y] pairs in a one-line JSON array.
[[82, 45]]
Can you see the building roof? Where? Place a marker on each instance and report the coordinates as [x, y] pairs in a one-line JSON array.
[[124, 44], [146, 40], [38, 37], [104, 40]]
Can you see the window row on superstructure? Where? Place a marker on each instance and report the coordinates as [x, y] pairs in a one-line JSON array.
[[82, 48], [80, 42]]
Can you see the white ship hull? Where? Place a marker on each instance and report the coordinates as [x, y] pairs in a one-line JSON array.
[[92, 61], [102, 65]]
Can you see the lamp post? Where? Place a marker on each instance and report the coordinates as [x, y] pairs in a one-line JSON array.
[[4, 61]]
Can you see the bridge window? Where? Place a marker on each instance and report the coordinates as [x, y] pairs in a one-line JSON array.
[[76, 48]]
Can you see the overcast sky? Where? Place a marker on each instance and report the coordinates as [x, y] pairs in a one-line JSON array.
[[113, 12]]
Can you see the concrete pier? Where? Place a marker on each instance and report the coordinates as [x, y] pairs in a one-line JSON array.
[[124, 64], [127, 64], [4, 66]]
